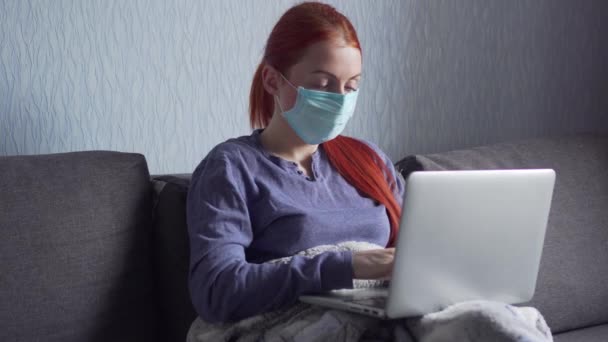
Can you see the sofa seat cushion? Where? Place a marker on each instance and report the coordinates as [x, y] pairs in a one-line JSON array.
[[74, 245], [597, 333], [572, 287]]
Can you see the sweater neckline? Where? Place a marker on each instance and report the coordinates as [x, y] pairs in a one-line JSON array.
[[288, 165]]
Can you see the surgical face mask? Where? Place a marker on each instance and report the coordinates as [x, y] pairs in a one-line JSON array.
[[319, 116]]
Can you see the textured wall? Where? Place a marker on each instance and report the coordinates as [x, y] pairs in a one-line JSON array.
[[170, 79]]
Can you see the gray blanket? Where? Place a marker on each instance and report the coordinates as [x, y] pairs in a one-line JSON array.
[[464, 321]]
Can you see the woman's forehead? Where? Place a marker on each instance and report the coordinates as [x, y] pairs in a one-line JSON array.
[[338, 59]]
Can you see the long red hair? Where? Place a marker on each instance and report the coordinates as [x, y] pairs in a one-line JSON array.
[[299, 27]]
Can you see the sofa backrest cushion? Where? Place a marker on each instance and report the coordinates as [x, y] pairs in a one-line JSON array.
[[74, 245], [171, 256], [572, 286]]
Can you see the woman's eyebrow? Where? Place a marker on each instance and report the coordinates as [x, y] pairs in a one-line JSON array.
[[332, 75]]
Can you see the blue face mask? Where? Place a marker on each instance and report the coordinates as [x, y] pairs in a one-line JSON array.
[[319, 116]]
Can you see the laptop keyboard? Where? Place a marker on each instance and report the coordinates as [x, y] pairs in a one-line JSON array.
[[367, 297]]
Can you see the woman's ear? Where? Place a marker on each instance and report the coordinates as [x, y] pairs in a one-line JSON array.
[[270, 79]]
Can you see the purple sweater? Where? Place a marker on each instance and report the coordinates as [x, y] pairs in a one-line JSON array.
[[246, 206]]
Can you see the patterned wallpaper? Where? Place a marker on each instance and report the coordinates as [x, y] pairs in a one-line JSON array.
[[170, 79]]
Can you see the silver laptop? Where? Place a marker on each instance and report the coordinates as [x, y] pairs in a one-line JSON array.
[[464, 235]]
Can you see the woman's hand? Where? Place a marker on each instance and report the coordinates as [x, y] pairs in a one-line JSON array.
[[373, 264]]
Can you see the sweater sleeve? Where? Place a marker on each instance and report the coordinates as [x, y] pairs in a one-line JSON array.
[[223, 285]]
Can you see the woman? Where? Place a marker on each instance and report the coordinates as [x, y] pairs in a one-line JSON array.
[[294, 183]]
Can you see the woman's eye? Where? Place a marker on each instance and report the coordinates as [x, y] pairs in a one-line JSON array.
[[352, 86], [319, 87], [320, 84]]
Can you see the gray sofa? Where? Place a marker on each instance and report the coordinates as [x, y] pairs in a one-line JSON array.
[[93, 248]]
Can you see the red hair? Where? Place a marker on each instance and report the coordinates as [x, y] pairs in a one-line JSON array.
[[299, 27]]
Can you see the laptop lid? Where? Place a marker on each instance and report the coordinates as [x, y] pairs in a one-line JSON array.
[[469, 234]]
